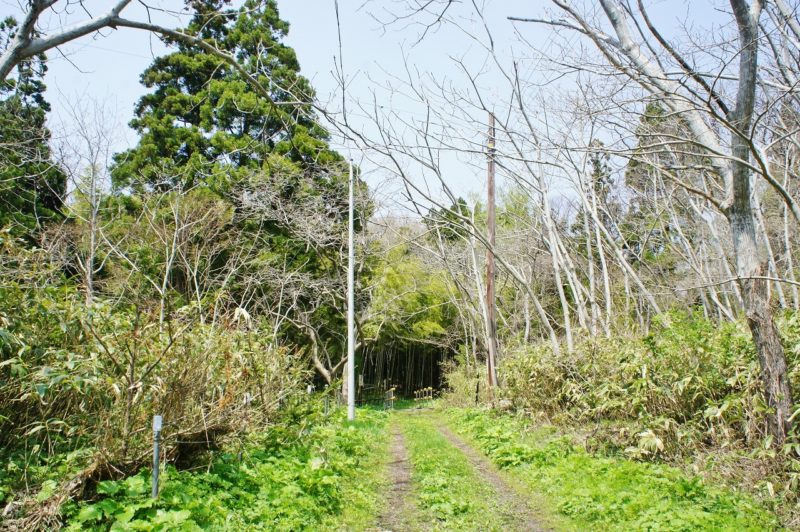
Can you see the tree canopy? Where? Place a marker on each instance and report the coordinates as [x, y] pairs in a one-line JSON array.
[[203, 123]]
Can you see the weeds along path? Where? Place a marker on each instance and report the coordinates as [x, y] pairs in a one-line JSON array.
[[453, 487], [584, 491]]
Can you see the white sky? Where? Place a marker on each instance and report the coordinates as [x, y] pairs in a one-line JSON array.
[[107, 68]]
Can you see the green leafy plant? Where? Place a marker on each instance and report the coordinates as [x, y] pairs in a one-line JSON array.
[[285, 481]]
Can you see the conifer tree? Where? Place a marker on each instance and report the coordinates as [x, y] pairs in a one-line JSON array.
[[32, 186], [203, 124]]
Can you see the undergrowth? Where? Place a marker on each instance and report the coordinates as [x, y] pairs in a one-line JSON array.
[[606, 493], [284, 479], [688, 394]]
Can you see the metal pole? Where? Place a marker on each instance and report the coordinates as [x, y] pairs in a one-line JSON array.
[[351, 333], [491, 359], [156, 452]]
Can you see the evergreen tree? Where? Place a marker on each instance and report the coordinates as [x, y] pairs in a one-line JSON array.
[[203, 123], [32, 186], [449, 222], [203, 126]]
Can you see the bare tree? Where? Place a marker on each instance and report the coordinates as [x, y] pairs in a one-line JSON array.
[[29, 40], [84, 151], [706, 112]]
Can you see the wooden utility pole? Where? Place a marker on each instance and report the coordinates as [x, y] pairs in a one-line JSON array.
[[491, 359]]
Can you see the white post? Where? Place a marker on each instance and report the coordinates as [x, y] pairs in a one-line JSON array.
[[157, 422], [351, 333]]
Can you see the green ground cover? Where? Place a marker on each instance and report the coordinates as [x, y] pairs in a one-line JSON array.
[[448, 492], [325, 477], [602, 493]]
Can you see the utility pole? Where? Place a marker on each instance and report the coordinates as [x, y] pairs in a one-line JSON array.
[[351, 330], [491, 359]]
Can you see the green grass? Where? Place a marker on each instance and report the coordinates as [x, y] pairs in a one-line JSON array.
[[364, 487], [448, 492], [600, 493], [330, 475], [327, 477]]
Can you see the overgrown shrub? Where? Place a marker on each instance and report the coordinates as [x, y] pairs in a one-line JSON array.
[[79, 383], [689, 381], [287, 478], [466, 386]]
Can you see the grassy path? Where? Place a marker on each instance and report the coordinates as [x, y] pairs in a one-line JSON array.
[[519, 511], [587, 492], [415, 470], [400, 505], [452, 490], [473, 470]]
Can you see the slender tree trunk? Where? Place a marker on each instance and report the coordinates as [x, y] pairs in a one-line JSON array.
[[543, 315], [526, 310], [595, 309], [624, 264], [696, 264], [627, 299], [740, 213], [787, 243], [491, 303], [555, 260], [606, 282], [479, 287], [579, 291]]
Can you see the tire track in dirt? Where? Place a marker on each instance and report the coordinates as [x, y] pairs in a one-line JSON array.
[[396, 516], [516, 510]]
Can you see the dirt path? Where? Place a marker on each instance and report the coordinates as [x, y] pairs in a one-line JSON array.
[[516, 510], [396, 515]]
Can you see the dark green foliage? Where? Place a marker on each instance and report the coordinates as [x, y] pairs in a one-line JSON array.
[[210, 143], [203, 123], [649, 231], [32, 186], [449, 223]]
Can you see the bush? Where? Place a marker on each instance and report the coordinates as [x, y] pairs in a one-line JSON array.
[[286, 480], [688, 381], [79, 384]]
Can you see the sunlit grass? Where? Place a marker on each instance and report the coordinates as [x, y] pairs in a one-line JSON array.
[[593, 492], [448, 491]]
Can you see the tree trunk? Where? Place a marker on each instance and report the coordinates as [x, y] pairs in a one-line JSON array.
[[552, 246], [773, 266], [774, 372], [741, 215], [787, 243]]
